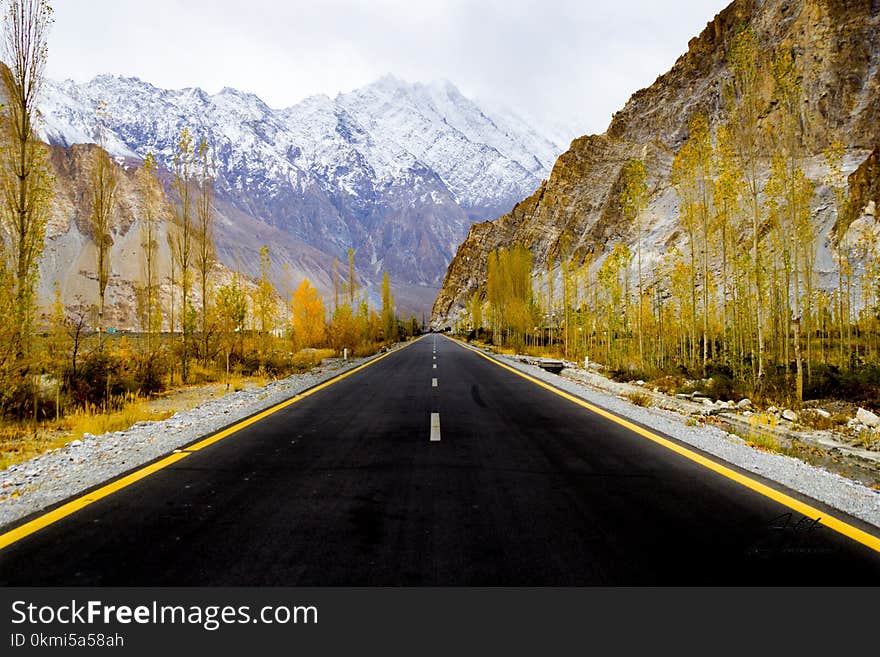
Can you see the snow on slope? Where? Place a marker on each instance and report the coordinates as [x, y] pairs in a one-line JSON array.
[[377, 132], [395, 170]]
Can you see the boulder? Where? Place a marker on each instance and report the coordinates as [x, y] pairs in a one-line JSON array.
[[744, 404], [867, 418], [789, 415], [821, 412]]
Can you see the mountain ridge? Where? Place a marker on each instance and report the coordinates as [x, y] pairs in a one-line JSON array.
[[396, 171]]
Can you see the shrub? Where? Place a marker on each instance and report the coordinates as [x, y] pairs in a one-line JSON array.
[[640, 398], [101, 378]]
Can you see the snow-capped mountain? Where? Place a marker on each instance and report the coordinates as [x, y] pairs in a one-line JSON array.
[[395, 170]]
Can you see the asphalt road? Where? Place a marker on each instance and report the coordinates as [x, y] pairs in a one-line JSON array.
[[347, 487]]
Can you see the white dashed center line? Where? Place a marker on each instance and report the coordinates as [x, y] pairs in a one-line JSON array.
[[433, 383], [435, 427]]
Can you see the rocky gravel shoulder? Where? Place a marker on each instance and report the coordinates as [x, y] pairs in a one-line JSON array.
[[82, 464], [836, 491]]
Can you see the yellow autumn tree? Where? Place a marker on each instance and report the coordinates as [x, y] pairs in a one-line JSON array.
[[307, 316]]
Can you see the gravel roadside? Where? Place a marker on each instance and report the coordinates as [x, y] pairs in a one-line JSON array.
[[82, 464], [834, 490]]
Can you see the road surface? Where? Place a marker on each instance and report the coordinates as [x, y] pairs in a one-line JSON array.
[[435, 466]]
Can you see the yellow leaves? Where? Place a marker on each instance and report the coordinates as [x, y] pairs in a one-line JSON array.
[[634, 197], [307, 315], [345, 331], [509, 289]]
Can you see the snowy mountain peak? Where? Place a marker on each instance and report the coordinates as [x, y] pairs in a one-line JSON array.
[[396, 170]]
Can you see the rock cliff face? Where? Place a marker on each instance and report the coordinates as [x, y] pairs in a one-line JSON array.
[[69, 257], [836, 44]]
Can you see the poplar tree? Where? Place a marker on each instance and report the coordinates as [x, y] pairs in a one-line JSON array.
[[205, 255], [746, 105], [183, 237], [634, 199], [836, 179], [790, 192], [26, 182], [307, 316], [232, 312], [509, 293], [352, 286], [691, 176], [264, 299], [389, 323], [475, 311], [150, 310], [103, 189], [727, 211]]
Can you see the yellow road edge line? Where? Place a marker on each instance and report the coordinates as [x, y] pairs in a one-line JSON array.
[[74, 505], [830, 521], [83, 501]]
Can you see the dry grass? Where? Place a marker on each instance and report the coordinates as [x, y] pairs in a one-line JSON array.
[[868, 438], [813, 420], [764, 442], [640, 398], [542, 352], [133, 410], [759, 438], [20, 441], [308, 358]]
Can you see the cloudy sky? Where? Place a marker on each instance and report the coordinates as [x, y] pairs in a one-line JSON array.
[[572, 61]]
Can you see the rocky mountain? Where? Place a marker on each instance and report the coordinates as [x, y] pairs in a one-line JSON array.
[[69, 257], [396, 171], [836, 44]]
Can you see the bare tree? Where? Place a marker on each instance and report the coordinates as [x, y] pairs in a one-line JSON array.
[[182, 249], [204, 236], [104, 184], [148, 297]]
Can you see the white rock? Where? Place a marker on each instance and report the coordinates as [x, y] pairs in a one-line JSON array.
[[640, 382], [772, 409], [821, 412], [789, 415], [75, 443], [867, 418], [744, 403], [707, 402]]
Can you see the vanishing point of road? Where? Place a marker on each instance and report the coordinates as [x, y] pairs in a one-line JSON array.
[[435, 466]]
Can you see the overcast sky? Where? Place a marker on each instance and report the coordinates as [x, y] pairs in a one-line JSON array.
[[572, 60]]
